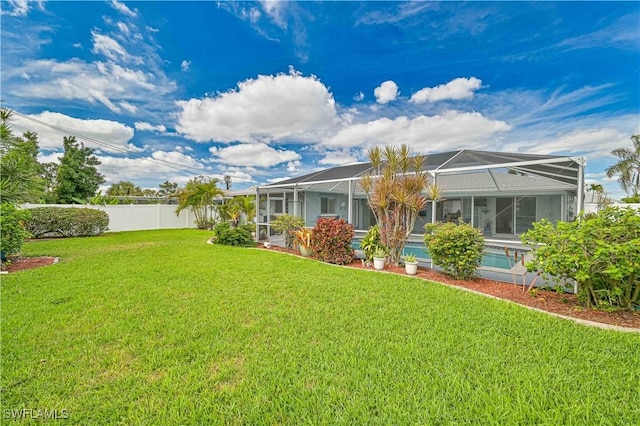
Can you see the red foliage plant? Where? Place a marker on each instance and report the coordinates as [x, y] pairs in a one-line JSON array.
[[331, 241]]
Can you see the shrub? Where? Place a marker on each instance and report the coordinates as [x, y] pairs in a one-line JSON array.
[[331, 241], [287, 225], [371, 243], [601, 253], [67, 222], [238, 236], [12, 230], [457, 248]]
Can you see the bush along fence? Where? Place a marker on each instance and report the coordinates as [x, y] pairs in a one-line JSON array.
[[137, 217], [66, 222]]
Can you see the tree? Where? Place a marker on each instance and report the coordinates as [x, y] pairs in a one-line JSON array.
[[227, 182], [77, 178], [628, 167], [168, 189], [397, 189], [20, 179], [124, 188], [600, 195], [198, 196]]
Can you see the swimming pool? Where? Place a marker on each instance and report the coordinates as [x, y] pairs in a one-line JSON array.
[[490, 259]]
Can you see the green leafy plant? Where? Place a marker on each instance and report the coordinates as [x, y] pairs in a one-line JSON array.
[[410, 258], [600, 252], [227, 235], [67, 222], [331, 241], [12, 230], [457, 248], [287, 224], [380, 252], [371, 242]]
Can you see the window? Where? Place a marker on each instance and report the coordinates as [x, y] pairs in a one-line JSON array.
[[277, 206], [327, 205]]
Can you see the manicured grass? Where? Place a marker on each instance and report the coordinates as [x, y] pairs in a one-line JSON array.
[[160, 328]]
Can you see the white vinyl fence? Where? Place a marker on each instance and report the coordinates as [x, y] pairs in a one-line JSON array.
[[593, 207], [137, 217]]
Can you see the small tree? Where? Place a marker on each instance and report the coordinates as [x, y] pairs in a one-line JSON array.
[[600, 252], [457, 248], [77, 177], [198, 196], [287, 225], [397, 189], [124, 188]]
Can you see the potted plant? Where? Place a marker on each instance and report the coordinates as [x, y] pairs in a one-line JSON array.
[[302, 238], [379, 258], [410, 264]]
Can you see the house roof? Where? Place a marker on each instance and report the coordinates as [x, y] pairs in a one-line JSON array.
[[462, 170]]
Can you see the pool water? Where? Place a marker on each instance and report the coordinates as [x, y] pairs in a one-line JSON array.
[[489, 259]]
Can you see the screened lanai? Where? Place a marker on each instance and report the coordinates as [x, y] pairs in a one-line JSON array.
[[500, 193]]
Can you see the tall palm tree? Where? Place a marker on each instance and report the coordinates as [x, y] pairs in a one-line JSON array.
[[628, 167]]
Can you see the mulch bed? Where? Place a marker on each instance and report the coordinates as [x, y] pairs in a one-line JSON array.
[[24, 263], [565, 304]]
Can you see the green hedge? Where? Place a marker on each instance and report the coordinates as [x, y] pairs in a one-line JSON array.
[[67, 222]]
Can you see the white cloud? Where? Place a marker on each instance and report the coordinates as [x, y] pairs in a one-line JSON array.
[[20, 7], [104, 82], [139, 169], [185, 65], [386, 92], [449, 131], [338, 158], [122, 8], [274, 8], [127, 106], [457, 89], [110, 132], [261, 110], [253, 155], [110, 48], [148, 127], [593, 142], [294, 166], [358, 96]]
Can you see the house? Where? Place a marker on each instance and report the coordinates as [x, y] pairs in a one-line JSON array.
[[500, 193]]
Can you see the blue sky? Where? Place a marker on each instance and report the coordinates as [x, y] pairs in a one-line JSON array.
[[268, 90]]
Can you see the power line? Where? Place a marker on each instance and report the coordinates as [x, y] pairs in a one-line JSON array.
[[116, 148]]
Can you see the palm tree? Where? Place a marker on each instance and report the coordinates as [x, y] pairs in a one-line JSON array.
[[628, 167], [198, 195]]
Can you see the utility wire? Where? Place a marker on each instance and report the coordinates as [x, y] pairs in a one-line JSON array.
[[116, 148]]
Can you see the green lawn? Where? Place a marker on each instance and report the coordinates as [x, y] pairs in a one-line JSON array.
[[160, 328]]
